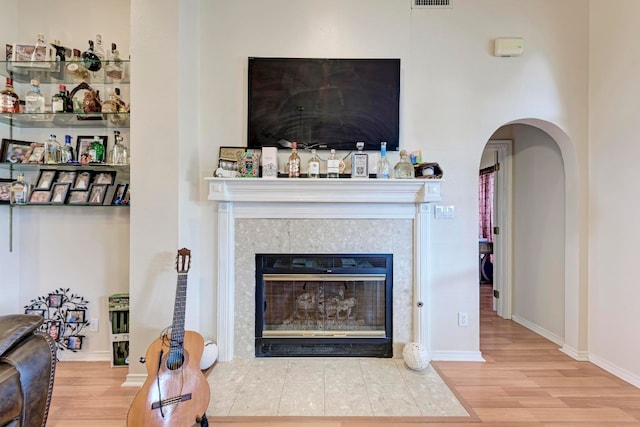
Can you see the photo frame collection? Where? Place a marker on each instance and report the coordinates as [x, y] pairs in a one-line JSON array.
[[16, 151]]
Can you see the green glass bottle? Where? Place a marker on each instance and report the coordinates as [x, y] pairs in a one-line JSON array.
[[96, 151]]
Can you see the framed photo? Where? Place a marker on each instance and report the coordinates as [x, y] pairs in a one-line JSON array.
[[78, 197], [45, 180], [59, 193], [53, 329], [13, 151], [54, 300], [104, 178], [5, 190], [23, 52], [40, 197], [83, 179], [119, 194], [66, 177], [35, 154], [83, 145], [35, 311], [74, 343], [75, 316], [97, 194]]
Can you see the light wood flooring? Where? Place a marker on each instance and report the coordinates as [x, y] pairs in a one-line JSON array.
[[525, 382]]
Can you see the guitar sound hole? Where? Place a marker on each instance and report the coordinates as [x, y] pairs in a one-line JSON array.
[[175, 361]]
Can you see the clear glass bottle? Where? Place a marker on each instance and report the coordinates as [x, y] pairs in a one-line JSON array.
[[75, 69], [98, 76], [34, 100], [96, 151], [313, 165], [294, 162], [19, 190], [114, 69], [9, 100], [119, 154], [52, 151], [66, 152], [90, 60], [403, 169], [384, 168], [333, 165], [39, 50], [59, 100]]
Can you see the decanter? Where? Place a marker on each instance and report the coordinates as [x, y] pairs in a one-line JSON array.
[[384, 168], [52, 151], [403, 169], [313, 165]]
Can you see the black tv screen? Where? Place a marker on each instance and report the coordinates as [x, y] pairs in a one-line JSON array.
[[324, 103]]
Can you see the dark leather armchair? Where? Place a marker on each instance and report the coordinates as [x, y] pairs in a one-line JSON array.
[[27, 366]]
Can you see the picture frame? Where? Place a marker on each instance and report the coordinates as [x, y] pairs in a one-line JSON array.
[[14, 151], [54, 329], [74, 342], [66, 177], [5, 190], [107, 178], [35, 311], [78, 197], [84, 143], [40, 197], [76, 316], [54, 300], [59, 193], [45, 179], [97, 193], [22, 53], [83, 180], [119, 194], [35, 154]]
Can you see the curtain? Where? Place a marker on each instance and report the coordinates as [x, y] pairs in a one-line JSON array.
[[485, 193]]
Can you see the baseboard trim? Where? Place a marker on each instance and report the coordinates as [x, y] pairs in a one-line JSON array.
[[581, 356], [538, 330], [615, 370], [457, 356], [134, 380], [84, 356]]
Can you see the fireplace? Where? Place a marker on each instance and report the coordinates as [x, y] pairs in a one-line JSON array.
[[324, 305]]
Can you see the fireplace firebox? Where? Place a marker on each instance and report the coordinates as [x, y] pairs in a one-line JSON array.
[[324, 305]]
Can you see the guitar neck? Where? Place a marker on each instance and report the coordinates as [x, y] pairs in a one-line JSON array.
[[177, 328]]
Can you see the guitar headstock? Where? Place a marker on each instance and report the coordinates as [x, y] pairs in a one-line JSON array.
[[183, 260]]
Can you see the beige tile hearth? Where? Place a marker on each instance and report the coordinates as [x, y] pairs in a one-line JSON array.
[[328, 387]]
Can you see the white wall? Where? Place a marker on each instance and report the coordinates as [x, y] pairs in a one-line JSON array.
[[614, 205]]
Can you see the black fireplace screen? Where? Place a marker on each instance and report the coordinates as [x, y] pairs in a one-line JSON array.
[[323, 304]]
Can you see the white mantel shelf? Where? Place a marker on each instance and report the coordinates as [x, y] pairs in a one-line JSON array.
[[304, 190]]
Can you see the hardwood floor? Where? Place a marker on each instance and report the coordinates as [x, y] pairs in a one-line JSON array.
[[525, 382]]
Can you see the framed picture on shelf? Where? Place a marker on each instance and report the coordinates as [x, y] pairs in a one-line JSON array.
[[74, 342], [13, 151], [97, 194], [66, 177], [75, 316], [35, 154], [59, 193], [119, 194], [104, 178], [39, 197], [35, 311], [5, 190], [45, 179], [83, 179], [78, 197], [83, 145]]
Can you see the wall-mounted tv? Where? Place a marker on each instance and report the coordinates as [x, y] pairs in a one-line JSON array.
[[323, 103]]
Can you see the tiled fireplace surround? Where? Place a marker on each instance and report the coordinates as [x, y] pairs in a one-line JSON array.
[[320, 216]]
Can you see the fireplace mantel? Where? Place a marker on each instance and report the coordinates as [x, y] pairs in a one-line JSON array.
[[324, 190]]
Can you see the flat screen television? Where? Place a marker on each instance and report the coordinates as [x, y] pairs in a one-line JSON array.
[[323, 103]]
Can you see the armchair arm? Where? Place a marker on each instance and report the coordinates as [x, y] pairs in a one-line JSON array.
[[15, 327]]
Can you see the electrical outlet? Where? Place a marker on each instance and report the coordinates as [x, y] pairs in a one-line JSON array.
[[463, 319], [93, 325]]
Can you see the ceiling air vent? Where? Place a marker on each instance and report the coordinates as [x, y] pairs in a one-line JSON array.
[[431, 4]]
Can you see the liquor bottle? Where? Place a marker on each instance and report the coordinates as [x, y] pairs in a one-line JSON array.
[[75, 69], [384, 168], [98, 75], [114, 69], [90, 60], [59, 100], [34, 100], [314, 165], [403, 169], [39, 50], [333, 165], [60, 58], [19, 190], [360, 162], [66, 152], [113, 105], [294, 162], [96, 151], [9, 101], [119, 154], [52, 151]]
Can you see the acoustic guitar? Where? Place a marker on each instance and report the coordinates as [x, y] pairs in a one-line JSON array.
[[176, 392]]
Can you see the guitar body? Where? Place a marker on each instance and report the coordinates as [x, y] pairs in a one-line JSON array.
[[171, 397]]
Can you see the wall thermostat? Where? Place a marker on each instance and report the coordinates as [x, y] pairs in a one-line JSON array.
[[508, 46]]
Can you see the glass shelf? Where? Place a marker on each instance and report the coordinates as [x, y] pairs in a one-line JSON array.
[[35, 167], [53, 72], [61, 120]]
